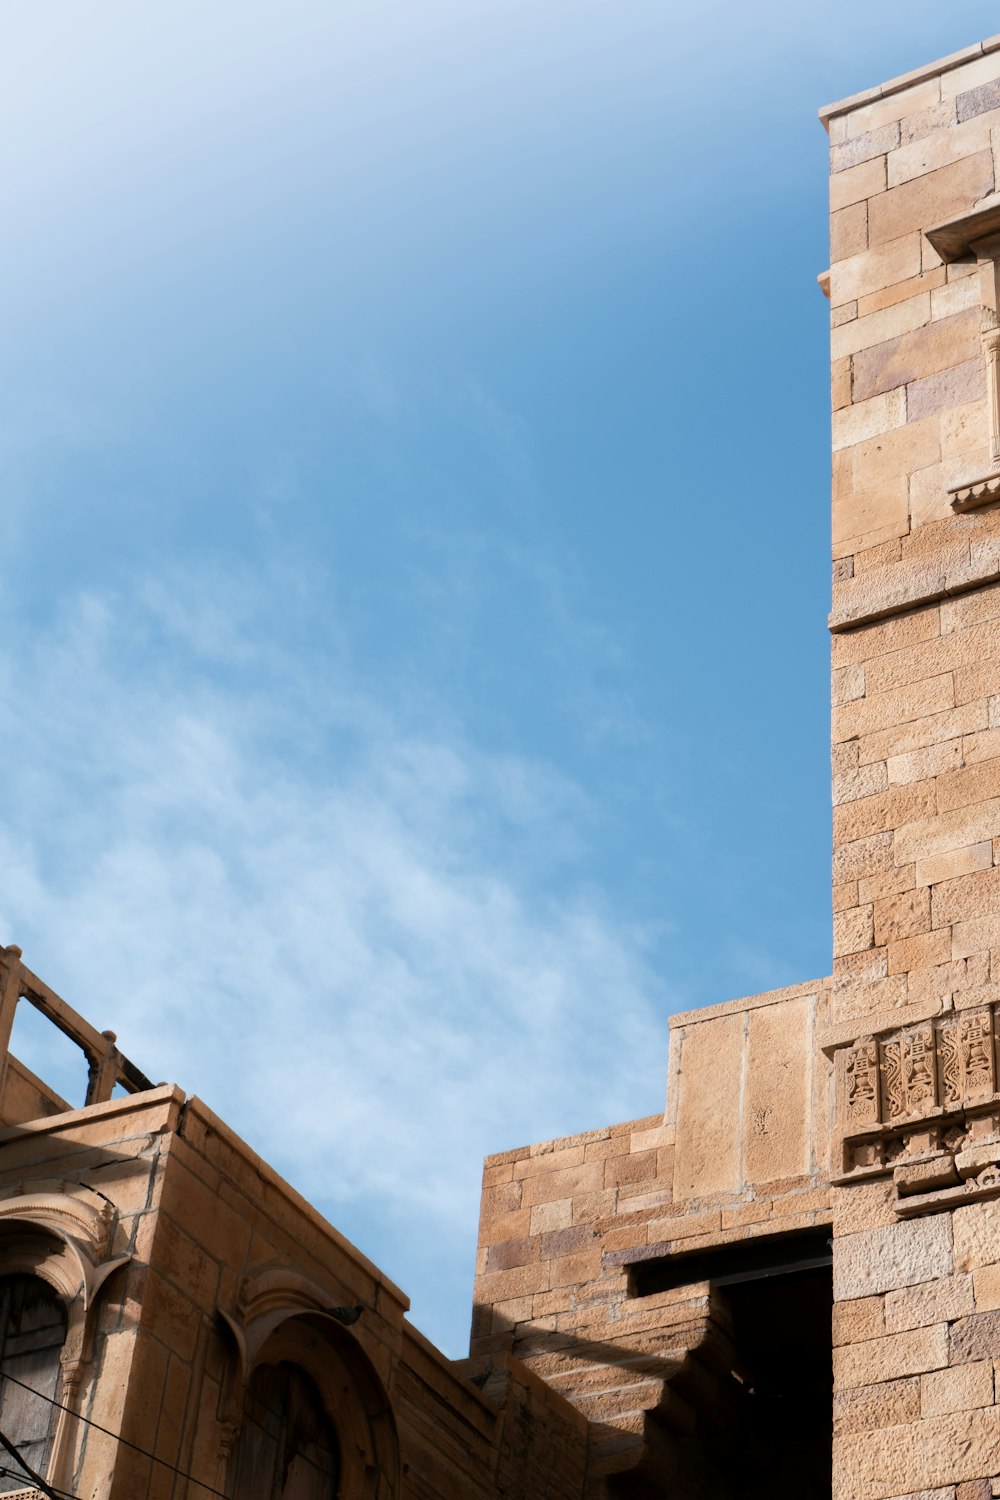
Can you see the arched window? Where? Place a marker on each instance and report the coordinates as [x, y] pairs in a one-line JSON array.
[[287, 1448], [32, 1333]]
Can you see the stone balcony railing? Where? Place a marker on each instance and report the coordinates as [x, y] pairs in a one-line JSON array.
[[24, 1096]]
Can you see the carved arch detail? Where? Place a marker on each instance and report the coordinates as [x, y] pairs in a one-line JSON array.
[[64, 1233], [280, 1314], [80, 1219]]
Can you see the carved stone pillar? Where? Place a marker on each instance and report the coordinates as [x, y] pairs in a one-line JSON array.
[[60, 1468]]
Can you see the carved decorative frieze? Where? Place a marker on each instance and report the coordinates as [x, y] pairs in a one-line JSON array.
[[923, 1103], [938, 1066]]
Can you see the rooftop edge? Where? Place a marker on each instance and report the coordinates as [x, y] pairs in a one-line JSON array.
[[905, 80], [711, 1012]]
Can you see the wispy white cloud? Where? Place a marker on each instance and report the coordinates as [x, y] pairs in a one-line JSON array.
[[370, 946]]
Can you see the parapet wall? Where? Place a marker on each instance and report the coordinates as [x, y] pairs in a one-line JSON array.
[[567, 1225], [748, 1094]]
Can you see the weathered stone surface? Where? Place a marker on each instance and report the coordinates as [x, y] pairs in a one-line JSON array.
[[901, 104], [962, 1388], [903, 915], [978, 101], [848, 231], [864, 1408], [948, 345], [956, 862], [875, 268], [931, 198], [955, 387], [862, 148], [975, 70], [938, 148], [876, 511], [986, 1282], [922, 1455], [937, 1301], [890, 1357], [976, 1337], [868, 419], [855, 1322], [885, 324], [977, 1235], [883, 1260], [857, 183], [709, 1127]]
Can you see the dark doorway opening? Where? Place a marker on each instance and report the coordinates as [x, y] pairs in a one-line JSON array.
[[773, 1302]]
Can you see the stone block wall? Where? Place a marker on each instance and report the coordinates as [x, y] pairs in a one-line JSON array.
[[916, 607], [916, 1347], [916, 782], [916, 760], [741, 1153]]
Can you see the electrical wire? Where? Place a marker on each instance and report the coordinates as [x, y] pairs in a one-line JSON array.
[[50, 1489], [36, 1479], [136, 1448], [79, 1417]]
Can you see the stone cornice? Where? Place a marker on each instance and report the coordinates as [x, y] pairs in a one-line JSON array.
[[906, 80]]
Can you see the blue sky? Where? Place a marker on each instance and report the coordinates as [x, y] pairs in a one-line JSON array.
[[414, 438]]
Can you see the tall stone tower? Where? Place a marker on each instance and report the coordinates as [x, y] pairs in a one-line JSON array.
[[914, 290], [913, 285]]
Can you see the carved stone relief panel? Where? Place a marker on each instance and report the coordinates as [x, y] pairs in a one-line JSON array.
[[863, 1082], [908, 1073], [922, 1103], [967, 1058]]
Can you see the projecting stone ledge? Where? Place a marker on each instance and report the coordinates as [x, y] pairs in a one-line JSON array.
[[969, 494]]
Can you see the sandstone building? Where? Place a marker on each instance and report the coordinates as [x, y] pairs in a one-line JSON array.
[[788, 1281]]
